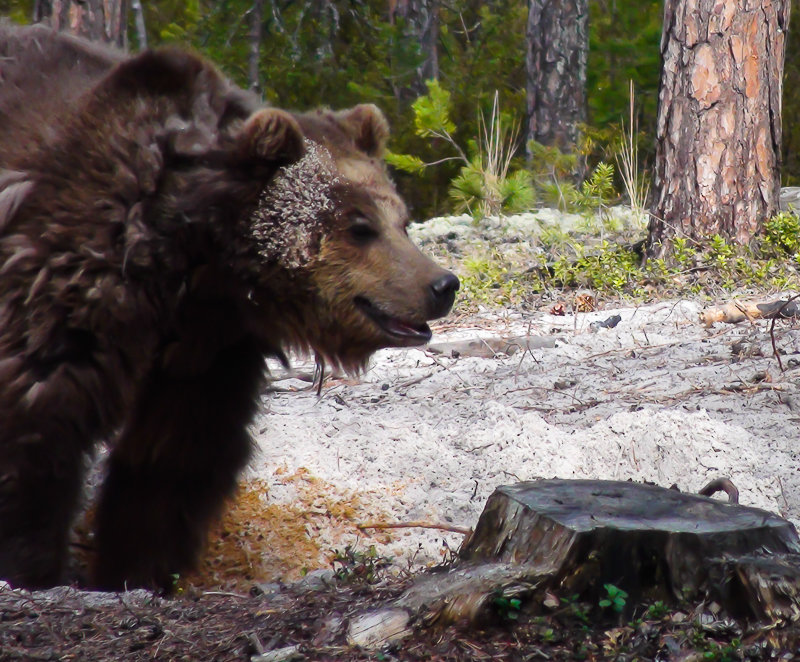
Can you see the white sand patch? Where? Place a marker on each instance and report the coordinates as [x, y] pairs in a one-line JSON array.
[[659, 398]]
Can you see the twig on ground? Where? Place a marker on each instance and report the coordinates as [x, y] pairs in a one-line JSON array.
[[721, 485], [772, 330], [464, 531]]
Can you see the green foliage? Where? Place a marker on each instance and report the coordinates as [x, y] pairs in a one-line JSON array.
[[340, 53], [657, 610], [175, 578], [485, 279], [354, 566], [624, 46], [549, 162], [483, 186], [683, 253], [407, 162], [508, 608], [432, 112], [607, 267], [597, 191], [615, 598], [576, 608], [782, 233], [720, 252], [480, 194], [714, 652], [517, 193], [790, 135], [182, 30], [551, 171], [18, 11]]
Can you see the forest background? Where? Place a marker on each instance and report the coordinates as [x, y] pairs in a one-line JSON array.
[[338, 53]]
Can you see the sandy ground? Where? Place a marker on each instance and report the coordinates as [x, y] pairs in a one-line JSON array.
[[424, 435]]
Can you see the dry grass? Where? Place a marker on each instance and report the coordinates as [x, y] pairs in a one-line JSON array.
[[260, 540]]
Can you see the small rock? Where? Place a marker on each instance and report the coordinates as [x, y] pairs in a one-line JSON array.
[[317, 579], [278, 655], [378, 628], [331, 628], [265, 588], [551, 601], [608, 323]]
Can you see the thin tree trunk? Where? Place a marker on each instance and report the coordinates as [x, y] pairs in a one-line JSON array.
[[99, 20], [422, 21], [558, 47], [254, 54], [718, 136], [138, 19]]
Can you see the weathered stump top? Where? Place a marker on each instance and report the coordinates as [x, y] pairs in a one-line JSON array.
[[585, 505]]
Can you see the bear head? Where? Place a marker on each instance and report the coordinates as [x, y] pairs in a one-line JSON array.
[[330, 230]]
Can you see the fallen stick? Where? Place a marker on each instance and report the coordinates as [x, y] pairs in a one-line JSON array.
[[416, 525], [740, 311], [721, 485]]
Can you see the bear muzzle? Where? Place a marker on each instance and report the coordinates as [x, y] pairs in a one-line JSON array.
[[407, 333]]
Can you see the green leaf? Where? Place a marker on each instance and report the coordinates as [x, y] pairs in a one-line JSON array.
[[432, 111], [517, 193], [406, 162]]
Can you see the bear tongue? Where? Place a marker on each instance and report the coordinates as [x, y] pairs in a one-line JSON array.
[[406, 333], [421, 333]]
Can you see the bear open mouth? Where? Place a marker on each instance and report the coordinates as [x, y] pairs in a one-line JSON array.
[[401, 332]]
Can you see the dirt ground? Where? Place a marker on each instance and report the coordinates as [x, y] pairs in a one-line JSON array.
[[427, 435], [64, 624]]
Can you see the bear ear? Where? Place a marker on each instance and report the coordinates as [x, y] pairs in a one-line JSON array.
[[271, 134], [369, 128]]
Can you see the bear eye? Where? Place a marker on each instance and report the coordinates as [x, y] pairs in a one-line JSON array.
[[362, 231]]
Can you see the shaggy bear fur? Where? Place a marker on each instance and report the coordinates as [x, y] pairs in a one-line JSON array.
[[160, 233]]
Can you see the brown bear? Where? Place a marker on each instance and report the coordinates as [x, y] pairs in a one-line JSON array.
[[161, 232]]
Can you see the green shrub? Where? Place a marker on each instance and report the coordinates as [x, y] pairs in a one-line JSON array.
[[485, 185], [782, 233]]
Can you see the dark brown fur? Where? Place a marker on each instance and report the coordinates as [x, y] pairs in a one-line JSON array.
[[154, 247]]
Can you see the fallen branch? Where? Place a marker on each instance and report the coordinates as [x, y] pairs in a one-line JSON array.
[[740, 311], [416, 525], [776, 354], [721, 485]]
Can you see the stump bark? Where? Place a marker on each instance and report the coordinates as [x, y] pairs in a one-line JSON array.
[[655, 543]]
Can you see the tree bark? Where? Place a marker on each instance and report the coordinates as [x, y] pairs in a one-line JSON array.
[[138, 19], [254, 54], [98, 20], [422, 20], [718, 135], [558, 47]]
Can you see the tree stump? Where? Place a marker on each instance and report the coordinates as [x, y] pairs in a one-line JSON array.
[[654, 543]]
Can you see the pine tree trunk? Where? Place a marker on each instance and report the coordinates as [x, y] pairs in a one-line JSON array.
[[718, 136], [422, 21], [138, 21], [98, 20], [558, 47]]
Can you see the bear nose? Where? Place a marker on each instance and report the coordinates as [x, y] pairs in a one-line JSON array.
[[444, 294]]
